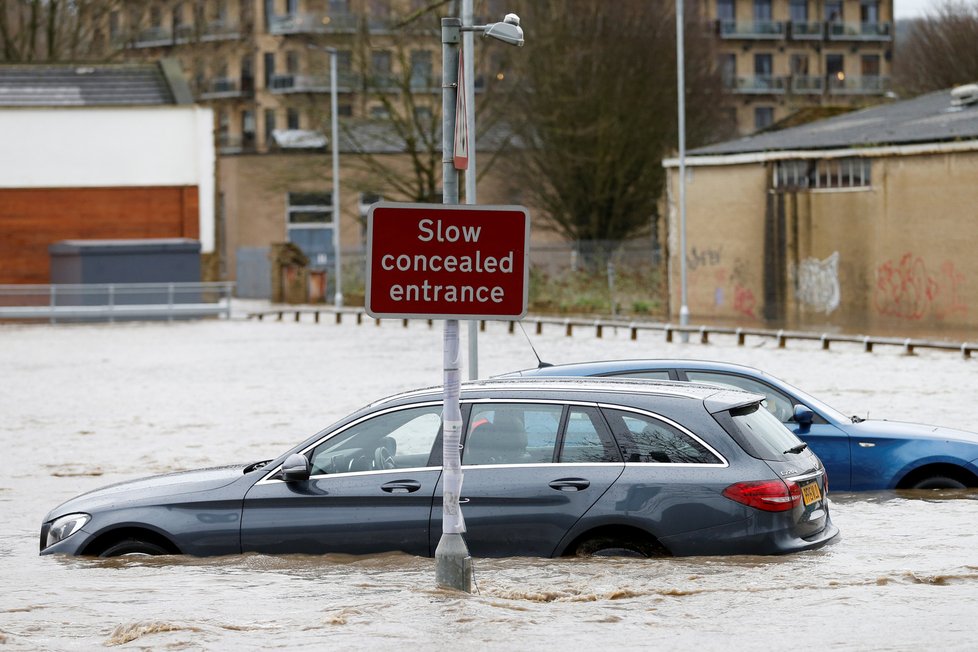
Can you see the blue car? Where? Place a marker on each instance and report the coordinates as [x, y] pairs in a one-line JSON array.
[[859, 454]]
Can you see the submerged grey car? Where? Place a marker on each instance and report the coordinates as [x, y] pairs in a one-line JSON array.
[[552, 467]]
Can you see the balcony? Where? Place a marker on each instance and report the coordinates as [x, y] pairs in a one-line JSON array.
[[806, 85], [220, 30], [758, 85], [153, 37], [346, 82], [224, 88], [313, 23], [751, 29], [865, 85], [806, 31], [859, 31], [228, 144]]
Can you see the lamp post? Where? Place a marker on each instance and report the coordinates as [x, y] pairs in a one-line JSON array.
[[453, 564], [335, 146], [681, 89], [468, 61]]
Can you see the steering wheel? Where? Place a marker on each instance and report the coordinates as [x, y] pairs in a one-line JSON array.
[[383, 459]]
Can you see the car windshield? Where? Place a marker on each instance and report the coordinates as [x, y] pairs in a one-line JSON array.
[[761, 434]]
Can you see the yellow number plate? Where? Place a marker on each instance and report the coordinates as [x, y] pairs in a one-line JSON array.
[[810, 493]]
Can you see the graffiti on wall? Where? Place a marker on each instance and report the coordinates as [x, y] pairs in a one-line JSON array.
[[726, 282], [818, 283], [697, 258], [907, 289]]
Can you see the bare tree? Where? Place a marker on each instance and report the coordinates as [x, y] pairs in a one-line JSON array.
[[55, 30], [593, 101], [940, 50]]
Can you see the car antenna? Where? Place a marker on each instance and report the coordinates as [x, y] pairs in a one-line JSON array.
[[540, 363]]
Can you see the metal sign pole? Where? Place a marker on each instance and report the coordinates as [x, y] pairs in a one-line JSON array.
[[453, 564], [468, 62]]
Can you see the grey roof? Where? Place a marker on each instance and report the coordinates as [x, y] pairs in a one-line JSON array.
[[926, 119], [61, 85]]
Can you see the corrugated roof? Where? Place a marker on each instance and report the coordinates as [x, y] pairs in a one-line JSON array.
[[49, 85], [926, 119]]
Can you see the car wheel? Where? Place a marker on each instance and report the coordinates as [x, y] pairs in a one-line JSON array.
[[615, 547], [940, 482], [134, 547]]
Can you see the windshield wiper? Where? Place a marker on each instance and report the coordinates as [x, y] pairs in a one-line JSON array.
[[796, 449], [856, 419]]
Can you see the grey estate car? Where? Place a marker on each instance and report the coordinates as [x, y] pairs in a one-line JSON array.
[[551, 467]]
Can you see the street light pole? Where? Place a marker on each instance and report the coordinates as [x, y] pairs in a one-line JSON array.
[[453, 564], [468, 61], [681, 89], [334, 141]]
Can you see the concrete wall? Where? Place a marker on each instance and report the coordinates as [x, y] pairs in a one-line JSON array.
[[893, 258]]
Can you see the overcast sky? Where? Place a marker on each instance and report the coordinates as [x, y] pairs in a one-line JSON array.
[[912, 8]]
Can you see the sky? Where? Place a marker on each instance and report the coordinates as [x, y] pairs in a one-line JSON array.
[[912, 8]]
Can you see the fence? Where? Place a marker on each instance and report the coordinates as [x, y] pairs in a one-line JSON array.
[[701, 334], [115, 301]]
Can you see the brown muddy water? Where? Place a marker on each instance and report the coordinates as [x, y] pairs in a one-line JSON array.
[[83, 406]]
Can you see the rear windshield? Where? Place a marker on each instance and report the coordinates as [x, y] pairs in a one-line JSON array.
[[759, 432]]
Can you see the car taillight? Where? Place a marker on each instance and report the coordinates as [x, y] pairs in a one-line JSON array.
[[767, 495]]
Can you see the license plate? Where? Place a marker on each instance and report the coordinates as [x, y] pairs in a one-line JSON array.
[[810, 493]]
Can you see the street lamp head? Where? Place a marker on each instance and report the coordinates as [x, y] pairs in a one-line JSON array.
[[508, 31]]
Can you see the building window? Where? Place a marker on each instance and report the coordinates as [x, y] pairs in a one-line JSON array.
[[833, 10], [309, 223], [762, 10], [823, 174], [421, 68], [247, 129], [269, 126], [380, 62], [798, 11], [763, 69], [835, 70], [763, 117], [292, 118], [292, 62], [726, 11], [869, 12], [798, 63], [727, 63], [269, 59]]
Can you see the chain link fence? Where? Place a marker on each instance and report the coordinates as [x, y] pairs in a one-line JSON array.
[[619, 278]]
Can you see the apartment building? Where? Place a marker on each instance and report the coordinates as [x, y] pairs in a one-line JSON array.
[[264, 65], [264, 68], [777, 57]]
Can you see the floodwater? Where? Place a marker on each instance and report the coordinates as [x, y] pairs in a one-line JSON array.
[[86, 405]]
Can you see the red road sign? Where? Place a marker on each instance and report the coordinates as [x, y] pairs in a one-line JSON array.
[[447, 262]]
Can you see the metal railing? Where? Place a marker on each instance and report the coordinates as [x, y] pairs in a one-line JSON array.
[[115, 301], [702, 334]]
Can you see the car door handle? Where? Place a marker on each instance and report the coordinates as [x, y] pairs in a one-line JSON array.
[[570, 484], [401, 486]]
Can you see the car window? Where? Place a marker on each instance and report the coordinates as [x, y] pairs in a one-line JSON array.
[[777, 403], [511, 433], [399, 439], [759, 433], [647, 439], [586, 439], [659, 374]]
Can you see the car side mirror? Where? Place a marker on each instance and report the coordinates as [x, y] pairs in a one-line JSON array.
[[296, 468], [804, 416]]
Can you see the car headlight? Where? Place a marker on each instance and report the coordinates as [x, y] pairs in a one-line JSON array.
[[63, 527]]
